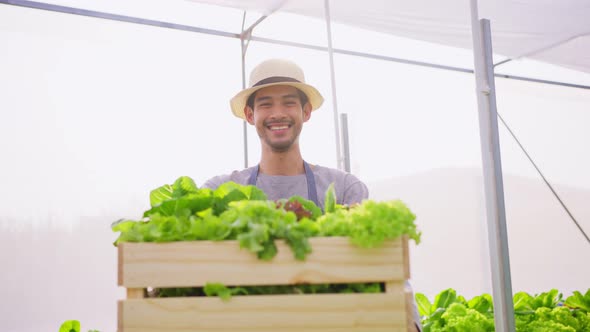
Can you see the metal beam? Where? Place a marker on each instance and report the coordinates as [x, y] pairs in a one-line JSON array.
[[414, 62], [535, 80], [116, 17], [248, 32], [502, 62]]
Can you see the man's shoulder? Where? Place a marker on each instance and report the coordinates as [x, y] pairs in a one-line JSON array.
[[237, 176], [334, 174], [349, 189]]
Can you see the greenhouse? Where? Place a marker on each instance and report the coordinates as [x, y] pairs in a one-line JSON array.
[[472, 115]]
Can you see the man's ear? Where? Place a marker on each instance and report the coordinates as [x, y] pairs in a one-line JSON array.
[[306, 111], [249, 113]]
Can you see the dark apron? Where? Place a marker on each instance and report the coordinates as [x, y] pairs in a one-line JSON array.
[[311, 190]]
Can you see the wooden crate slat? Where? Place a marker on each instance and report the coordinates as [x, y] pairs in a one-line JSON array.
[[195, 263], [285, 313]]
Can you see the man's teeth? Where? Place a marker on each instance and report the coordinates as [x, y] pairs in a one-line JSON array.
[[278, 127]]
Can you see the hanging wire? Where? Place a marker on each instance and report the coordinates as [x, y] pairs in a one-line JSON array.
[[544, 179]]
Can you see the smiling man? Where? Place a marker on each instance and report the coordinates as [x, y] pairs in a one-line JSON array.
[[278, 103]]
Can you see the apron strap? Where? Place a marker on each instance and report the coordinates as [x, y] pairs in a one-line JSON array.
[[309, 177], [254, 175], [311, 189]]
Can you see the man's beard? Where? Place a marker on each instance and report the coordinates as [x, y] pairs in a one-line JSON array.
[[282, 146]]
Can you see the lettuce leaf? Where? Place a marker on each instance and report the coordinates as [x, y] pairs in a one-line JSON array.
[[330, 199], [70, 326], [579, 301]]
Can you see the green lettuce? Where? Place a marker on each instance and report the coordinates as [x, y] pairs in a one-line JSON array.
[[542, 312], [579, 301], [72, 326]]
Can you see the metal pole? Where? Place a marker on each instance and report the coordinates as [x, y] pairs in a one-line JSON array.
[[345, 145], [245, 38], [245, 124], [492, 171], [244, 45], [333, 80]]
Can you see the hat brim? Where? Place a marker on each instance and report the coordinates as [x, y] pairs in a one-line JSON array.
[[238, 102]]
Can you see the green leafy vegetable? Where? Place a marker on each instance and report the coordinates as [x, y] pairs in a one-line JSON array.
[[302, 207], [72, 326], [217, 289], [160, 194], [543, 312], [445, 298], [482, 303], [424, 305], [579, 301], [371, 223], [183, 186], [460, 318], [330, 199], [183, 212]]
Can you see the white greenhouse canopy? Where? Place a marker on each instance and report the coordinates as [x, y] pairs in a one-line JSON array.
[[556, 32]]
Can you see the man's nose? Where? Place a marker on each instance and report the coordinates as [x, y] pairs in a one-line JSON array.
[[277, 110]]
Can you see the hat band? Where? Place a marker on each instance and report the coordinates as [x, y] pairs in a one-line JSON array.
[[276, 79]]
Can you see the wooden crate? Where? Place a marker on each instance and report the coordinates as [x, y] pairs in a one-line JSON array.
[[193, 264]]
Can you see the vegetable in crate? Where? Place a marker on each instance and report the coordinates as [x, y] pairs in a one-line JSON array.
[[183, 212]]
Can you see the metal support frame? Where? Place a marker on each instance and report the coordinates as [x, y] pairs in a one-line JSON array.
[[345, 143], [169, 25], [339, 161], [244, 42], [245, 38], [492, 172], [115, 17]]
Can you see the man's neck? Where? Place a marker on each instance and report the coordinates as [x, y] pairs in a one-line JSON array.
[[281, 163]]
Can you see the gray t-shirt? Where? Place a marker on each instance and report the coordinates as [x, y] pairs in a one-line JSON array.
[[349, 189]]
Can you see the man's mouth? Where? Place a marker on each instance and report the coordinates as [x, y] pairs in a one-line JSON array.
[[278, 127]]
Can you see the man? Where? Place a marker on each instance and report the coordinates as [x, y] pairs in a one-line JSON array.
[[277, 103]]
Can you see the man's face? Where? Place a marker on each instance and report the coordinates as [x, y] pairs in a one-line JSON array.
[[278, 116]]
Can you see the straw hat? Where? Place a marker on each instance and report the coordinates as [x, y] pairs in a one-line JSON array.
[[275, 72]]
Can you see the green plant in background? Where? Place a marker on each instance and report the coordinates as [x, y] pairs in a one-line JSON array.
[[72, 326], [545, 312]]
